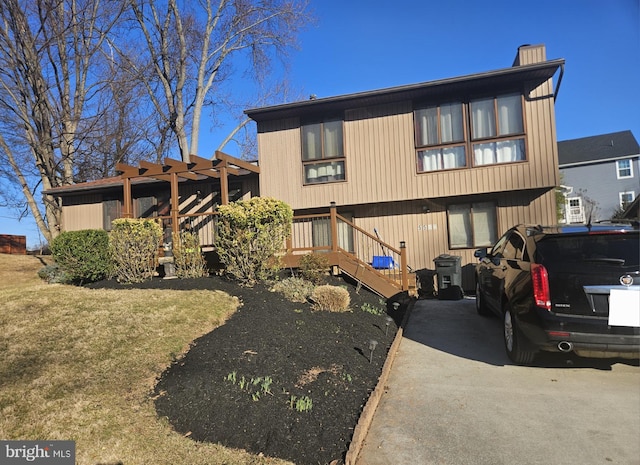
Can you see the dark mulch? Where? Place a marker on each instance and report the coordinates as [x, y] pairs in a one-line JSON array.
[[321, 356]]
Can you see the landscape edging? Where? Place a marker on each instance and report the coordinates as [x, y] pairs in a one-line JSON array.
[[364, 422]]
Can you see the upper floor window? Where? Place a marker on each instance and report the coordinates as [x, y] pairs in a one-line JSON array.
[[440, 137], [625, 169], [494, 123], [323, 152]]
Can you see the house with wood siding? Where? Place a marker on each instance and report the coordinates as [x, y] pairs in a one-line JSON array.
[[383, 181], [441, 167]]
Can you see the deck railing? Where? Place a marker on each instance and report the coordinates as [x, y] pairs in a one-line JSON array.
[[331, 232], [204, 224]]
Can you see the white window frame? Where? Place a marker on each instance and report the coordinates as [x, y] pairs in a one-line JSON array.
[[575, 213], [619, 168], [622, 194]]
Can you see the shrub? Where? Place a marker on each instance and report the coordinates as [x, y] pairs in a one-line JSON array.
[[331, 298], [134, 248], [294, 289], [250, 234], [83, 255], [187, 255], [313, 267], [52, 274]]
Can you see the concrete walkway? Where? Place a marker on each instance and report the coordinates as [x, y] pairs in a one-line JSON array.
[[453, 397]]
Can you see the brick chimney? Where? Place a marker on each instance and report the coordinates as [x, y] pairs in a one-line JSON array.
[[529, 54]]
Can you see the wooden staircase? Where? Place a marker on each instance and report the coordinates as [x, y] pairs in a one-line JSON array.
[[347, 247]]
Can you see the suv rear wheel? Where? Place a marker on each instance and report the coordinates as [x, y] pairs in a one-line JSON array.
[[514, 341]]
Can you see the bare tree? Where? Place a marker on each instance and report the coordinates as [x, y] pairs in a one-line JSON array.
[[50, 90], [193, 48]]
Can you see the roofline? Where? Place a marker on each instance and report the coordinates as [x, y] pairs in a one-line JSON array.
[[598, 160], [262, 113]]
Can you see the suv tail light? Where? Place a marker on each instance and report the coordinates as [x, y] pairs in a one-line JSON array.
[[540, 279]]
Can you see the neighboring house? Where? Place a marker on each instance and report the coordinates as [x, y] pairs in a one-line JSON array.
[[600, 175], [444, 167]]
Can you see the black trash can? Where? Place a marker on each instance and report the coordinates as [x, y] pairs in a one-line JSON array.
[[449, 272]]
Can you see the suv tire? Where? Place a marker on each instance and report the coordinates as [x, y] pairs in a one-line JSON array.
[[514, 340]]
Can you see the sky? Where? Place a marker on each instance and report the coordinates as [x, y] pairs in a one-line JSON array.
[[362, 45]]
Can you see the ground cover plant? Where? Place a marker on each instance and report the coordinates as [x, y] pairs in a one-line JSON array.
[[270, 378]]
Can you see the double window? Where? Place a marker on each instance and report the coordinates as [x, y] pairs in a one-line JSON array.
[[493, 132], [624, 169], [440, 137], [494, 122], [323, 152], [472, 225]]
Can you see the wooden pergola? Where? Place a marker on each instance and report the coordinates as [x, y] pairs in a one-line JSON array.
[[173, 170]]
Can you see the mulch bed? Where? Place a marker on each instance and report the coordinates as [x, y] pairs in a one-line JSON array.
[[220, 391]]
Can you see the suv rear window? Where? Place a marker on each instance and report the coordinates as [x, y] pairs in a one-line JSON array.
[[603, 249]]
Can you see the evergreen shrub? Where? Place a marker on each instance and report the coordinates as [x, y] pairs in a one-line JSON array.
[[83, 256]]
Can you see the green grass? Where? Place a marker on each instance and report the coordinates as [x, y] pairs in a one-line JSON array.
[[80, 364]]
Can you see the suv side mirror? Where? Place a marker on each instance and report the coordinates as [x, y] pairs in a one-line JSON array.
[[480, 253]]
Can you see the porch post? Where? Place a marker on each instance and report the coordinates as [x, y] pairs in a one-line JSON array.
[[127, 202], [403, 266], [175, 205], [334, 227], [224, 184]]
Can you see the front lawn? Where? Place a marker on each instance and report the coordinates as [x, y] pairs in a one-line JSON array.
[[81, 364]]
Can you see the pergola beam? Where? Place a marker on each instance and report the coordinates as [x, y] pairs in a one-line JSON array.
[[171, 170]]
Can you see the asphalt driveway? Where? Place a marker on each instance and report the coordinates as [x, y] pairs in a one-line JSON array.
[[453, 397]]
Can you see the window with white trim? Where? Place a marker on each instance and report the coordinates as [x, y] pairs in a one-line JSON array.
[[626, 198], [624, 168], [323, 152], [472, 225]]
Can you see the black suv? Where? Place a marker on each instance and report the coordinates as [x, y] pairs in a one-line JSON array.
[[564, 288]]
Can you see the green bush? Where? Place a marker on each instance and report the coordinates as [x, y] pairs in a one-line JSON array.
[[187, 255], [250, 235], [83, 255], [294, 289], [331, 298], [313, 267], [134, 245]]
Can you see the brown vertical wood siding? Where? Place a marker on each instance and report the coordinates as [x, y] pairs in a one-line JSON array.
[[82, 212], [380, 159], [426, 234], [385, 192]]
